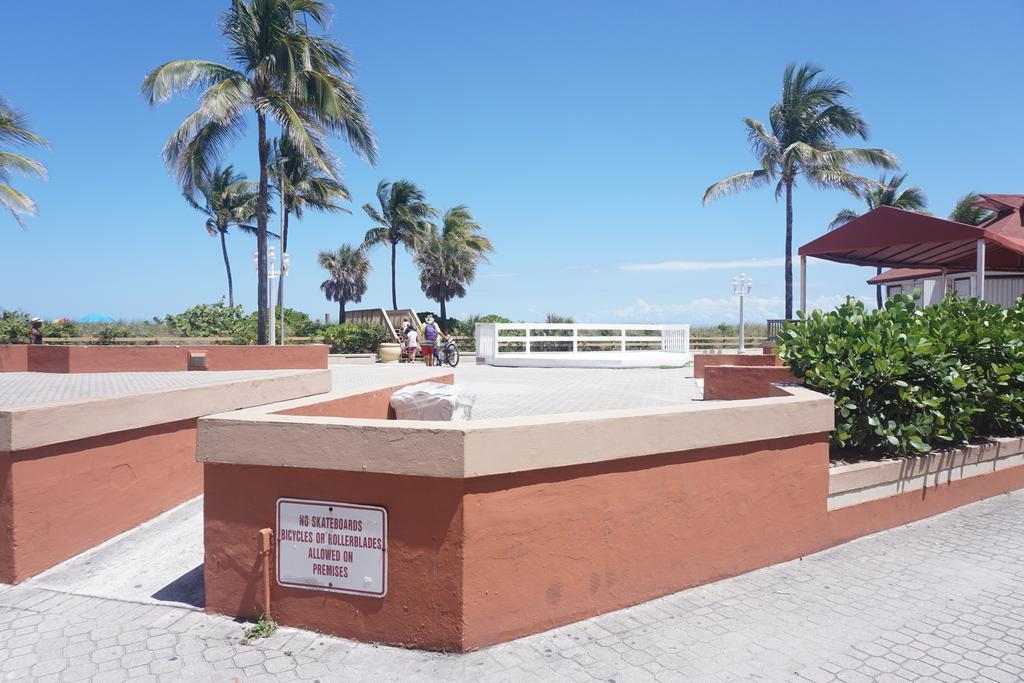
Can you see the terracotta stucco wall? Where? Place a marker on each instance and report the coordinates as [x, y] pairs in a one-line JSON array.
[[734, 382], [62, 499], [423, 604], [550, 547], [704, 360], [13, 357], [372, 404], [87, 359]]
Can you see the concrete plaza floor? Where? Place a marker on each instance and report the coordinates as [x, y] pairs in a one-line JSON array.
[[941, 599], [509, 392]]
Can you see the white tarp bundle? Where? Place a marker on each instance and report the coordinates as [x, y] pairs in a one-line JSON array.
[[432, 401]]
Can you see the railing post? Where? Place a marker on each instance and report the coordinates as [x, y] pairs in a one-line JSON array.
[[622, 339], [575, 339], [528, 339]]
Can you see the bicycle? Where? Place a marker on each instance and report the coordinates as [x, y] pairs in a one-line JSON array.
[[447, 353]]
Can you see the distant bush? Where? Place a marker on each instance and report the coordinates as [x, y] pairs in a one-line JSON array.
[[109, 334], [355, 337], [908, 380], [61, 329], [14, 327], [207, 320]]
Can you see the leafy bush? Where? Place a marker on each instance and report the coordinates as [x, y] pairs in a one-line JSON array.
[[909, 380], [61, 329], [14, 327], [207, 320], [355, 337], [108, 334]]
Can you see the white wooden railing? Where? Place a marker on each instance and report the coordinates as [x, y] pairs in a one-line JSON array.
[[492, 339]]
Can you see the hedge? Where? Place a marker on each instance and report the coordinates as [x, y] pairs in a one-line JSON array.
[[909, 380]]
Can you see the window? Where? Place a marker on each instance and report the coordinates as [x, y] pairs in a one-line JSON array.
[[962, 287], [893, 290]]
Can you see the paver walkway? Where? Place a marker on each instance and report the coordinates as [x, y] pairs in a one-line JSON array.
[[941, 599], [509, 392]]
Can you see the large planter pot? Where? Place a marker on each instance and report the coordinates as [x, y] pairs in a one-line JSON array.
[[389, 353]]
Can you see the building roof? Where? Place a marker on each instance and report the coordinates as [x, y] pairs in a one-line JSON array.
[[901, 274], [889, 237]]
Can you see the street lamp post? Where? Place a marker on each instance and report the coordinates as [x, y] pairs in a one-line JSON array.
[[272, 275], [741, 285], [285, 263]]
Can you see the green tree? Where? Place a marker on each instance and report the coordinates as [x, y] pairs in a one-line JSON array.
[[403, 218], [448, 258], [800, 141], [347, 270], [304, 187], [890, 192], [227, 199], [285, 74], [966, 212], [15, 133]]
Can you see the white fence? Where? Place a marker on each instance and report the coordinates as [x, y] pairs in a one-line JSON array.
[[495, 339]]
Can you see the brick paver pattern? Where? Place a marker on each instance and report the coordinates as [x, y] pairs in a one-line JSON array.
[[941, 599], [20, 389]]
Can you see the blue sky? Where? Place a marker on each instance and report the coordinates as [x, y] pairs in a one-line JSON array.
[[581, 134]]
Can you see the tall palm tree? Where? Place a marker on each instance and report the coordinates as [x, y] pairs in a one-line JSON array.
[[448, 258], [348, 269], [404, 218], [303, 186], [966, 212], [800, 140], [227, 199], [890, 192], [15, 132], [284, 74]]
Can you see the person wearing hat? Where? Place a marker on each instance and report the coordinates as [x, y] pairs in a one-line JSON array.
[[35, 335], [430, 333]]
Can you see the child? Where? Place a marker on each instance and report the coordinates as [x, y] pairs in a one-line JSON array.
[[410, 338]]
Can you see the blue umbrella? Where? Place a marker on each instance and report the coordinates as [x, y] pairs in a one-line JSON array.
[[96, 318]]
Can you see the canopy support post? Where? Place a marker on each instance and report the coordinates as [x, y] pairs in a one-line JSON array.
[[803, 284], [944, 283], [980, 272]]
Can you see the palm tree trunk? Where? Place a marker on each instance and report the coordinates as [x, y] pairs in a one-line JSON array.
[[227, 267], [341, 311], [261, 234], [878, 290], [394, 289], [280, 279], [444, 314], [789, 249]]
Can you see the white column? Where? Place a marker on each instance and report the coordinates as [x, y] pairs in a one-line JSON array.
[[944, 284], [803, 284], [980, 271]]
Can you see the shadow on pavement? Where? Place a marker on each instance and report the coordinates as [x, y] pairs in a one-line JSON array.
[[187, 588]]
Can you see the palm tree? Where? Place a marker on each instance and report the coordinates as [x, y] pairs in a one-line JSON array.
[[348, 268], [14, 132], [966, 212], [448, 258], [304, 187], [403, 219], [284, 74], [228, 199], [801, 141], [888, 193]]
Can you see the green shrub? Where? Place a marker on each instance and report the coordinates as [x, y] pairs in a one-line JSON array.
[[207, 320], [908, 380], [355, 337], [61, 329], [14, 327], [109, 334]]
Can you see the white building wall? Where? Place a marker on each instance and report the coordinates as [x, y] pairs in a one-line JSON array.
[[999, 289]]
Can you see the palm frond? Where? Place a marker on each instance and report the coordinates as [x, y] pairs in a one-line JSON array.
[[181, 75], [736, 183]]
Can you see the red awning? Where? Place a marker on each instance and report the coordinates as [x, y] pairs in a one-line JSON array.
[[900, 274], [894, 238]]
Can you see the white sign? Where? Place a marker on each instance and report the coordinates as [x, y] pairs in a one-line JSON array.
[[327, 546]]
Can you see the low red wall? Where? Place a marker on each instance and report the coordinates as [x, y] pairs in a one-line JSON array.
[[60, 500], [88, 359], [705, 360], [370, 405], [478, 561], [733, 382], [423, 607], [13, 357]]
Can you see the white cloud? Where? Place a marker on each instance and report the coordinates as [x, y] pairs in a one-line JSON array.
[[700, 266], [710, 311]]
